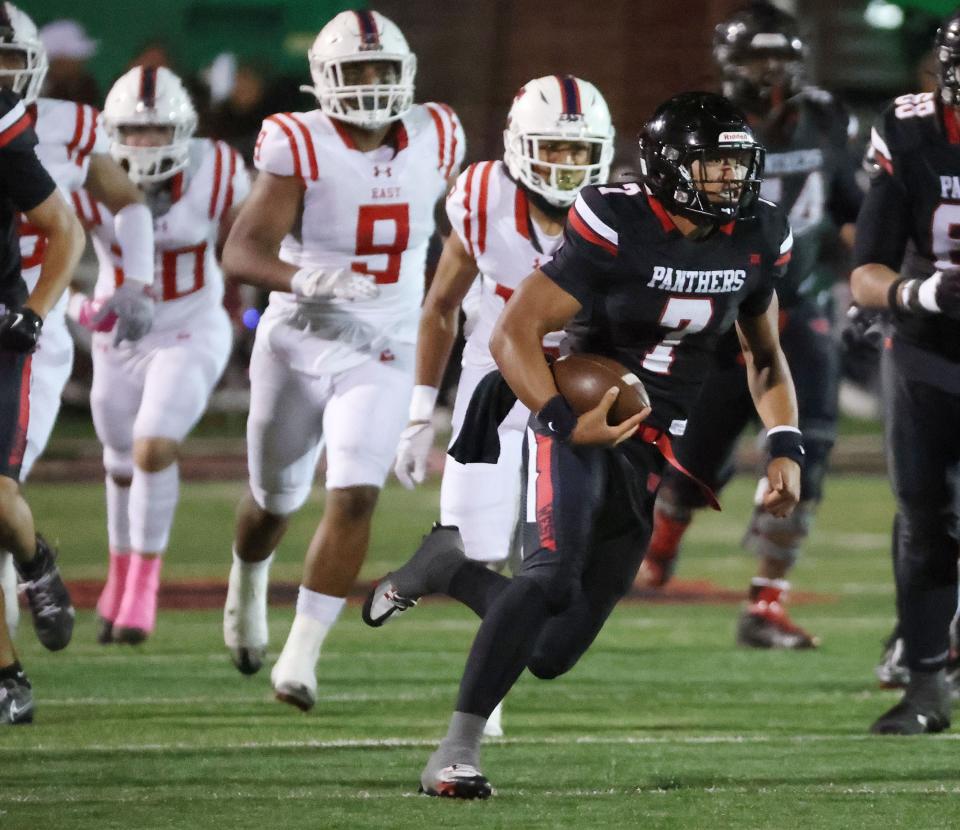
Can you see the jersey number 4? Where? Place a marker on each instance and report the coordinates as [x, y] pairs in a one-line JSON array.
[[684, 316], [382, 230]]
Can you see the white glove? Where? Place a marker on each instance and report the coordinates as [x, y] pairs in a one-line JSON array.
[[320, 283], [133, 305], [412, 451]]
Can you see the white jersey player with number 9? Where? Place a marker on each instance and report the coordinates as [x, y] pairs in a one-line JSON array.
[[337, 227], [147, 396], [508, 218]]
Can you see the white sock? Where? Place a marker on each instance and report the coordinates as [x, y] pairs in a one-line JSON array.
[[153, 500], [320, 607], [8, 584], [118, 515]]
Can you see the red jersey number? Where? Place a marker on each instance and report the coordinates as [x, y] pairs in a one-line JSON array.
[[382, 230]]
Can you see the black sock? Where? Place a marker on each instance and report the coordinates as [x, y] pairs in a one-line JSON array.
[[33, 568], [503, 645], [14, 672], [476, 586]]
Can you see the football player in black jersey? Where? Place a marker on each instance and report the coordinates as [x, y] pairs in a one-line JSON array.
[[652, 274], [25, 186], [809, 173], [907, 258]]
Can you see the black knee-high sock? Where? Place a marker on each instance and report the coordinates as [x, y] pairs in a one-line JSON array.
[[476, 586], [503, 645]]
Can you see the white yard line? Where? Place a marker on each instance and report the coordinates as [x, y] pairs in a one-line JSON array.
[[413, 743]]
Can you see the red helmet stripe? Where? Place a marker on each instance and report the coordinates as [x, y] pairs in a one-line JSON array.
[[368, 28]]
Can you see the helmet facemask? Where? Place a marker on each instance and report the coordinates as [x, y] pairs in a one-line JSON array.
[[148, 165], [709, 186], [762, 81], [368, 90], [25, 81], [558, 182]]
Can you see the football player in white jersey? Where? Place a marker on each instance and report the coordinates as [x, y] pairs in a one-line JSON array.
[[148, 395], [337, 227], [508, 219], [73, 149]]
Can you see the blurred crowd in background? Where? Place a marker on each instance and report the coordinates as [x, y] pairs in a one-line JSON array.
[[235, 90]]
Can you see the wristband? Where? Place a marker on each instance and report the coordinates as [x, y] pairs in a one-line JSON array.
[[558, 417], [786, 442], [422, 402]]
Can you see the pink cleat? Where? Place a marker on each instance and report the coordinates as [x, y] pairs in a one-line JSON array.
[[108, 605], [137, 616]]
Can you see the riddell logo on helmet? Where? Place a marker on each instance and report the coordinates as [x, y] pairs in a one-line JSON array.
[[735, 138]]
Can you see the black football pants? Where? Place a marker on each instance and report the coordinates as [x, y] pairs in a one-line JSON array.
[[588, 516], [923, 461]]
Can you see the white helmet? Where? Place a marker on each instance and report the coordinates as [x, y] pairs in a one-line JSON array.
[[557, 108], [19, 34], [360, 36], [153, 96]]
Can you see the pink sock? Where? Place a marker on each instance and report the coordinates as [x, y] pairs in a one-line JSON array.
[[138, 608], [109, 602]]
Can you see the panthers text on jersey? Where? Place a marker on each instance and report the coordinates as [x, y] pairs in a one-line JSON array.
[[911, 213], [68, 134], [809, 173], [657, 301], [491, 215], [187, 214], [370, 212]]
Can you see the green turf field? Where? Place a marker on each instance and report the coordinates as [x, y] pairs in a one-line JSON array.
[[663, 724]]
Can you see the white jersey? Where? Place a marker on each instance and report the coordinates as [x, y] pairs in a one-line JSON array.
[[370, 212], [67, 134], [491, 215], [186, 220]]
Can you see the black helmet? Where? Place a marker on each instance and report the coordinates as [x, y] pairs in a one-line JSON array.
[[700, 127], [760, 54], [947, 46]]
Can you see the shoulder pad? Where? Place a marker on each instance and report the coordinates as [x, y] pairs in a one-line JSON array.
[[285, 147], [451, 139], [16, 125], [475, 195], [594, 214]]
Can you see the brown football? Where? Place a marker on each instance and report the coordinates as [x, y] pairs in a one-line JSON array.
[[583, 378]]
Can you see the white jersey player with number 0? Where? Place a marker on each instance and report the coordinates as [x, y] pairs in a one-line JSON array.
[[346, 201], [147, 396]]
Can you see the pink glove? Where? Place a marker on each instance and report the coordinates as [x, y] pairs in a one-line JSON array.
[[84, 311]]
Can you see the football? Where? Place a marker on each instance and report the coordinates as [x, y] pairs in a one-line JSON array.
[[583, 378]]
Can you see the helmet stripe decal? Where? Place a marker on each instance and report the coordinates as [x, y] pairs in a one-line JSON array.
[[148, 86], [368, 28], [570, 91]]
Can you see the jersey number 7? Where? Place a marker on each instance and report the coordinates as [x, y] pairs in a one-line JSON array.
[[376, 222]]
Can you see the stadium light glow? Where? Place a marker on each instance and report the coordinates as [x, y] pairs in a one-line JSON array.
[[881, 14]]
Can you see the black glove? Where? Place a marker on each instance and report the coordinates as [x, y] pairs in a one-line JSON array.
[[864, 329], [20, 330]]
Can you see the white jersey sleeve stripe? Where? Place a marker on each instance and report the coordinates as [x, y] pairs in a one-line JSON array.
[[294, 149], [593, 221], [787, 243], [879, 144], [13, 116]]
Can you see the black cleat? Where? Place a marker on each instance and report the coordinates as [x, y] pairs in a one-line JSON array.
[[48, 598], [428, 571], [104, 631], [458, 781], [924, 708], [16, 702]]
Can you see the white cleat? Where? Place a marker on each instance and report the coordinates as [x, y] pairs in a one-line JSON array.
[[494, 725], [245, 631], [8, 584], [294, 676]]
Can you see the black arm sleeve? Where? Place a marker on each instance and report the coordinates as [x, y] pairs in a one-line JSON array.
[[846, 197], [883, 226], [23, 179]]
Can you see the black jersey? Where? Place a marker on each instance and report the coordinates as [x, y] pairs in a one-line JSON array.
[[910, 219], [809, 172], [24, 184], [655, 300]]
